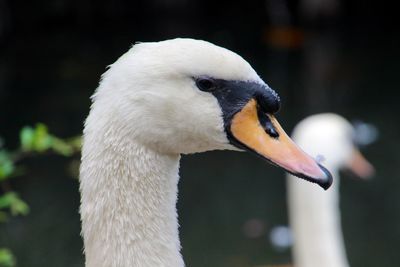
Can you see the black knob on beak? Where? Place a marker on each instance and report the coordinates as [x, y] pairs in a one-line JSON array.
[[268, 100]]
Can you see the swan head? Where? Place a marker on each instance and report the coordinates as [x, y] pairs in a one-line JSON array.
[[185, 96], [335, 139]]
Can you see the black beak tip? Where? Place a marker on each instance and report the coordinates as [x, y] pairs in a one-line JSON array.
[[327, 181]]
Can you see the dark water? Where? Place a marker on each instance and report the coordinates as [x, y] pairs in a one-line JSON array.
[[47, 74]]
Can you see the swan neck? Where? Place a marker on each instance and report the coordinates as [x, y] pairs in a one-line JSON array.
[[128, 205], [315, 221]]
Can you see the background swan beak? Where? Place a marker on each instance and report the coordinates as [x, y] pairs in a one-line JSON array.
[[360, 166], [272, 143]]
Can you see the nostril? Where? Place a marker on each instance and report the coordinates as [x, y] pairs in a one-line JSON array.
[[270, 130], [267, 124]]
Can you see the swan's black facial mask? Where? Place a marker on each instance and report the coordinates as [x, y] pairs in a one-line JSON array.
[[248, 112]]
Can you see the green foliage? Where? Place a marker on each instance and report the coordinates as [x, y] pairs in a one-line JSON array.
[[39, 140], [33, 141], [6, 258], [12, 201], [6, 165]]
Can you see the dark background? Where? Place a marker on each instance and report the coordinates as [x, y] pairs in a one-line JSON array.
[[341, 56]]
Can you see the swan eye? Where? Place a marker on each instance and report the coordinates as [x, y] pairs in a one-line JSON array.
[[206, 84]]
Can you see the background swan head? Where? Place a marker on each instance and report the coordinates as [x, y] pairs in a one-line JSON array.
[[319, 132], [186, 96]]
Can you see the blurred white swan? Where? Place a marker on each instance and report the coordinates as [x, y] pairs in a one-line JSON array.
[[314, 214]]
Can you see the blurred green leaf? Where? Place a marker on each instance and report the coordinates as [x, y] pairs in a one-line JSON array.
[[6, 258], [42, 139], [62, 147], [35, 139], [75, 142], [66, 147], [39, 139], [6, 165], [6, 200], [26, 137], [16, 205]]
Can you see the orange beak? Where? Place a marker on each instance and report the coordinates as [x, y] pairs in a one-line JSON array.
[[280, 149], [360, 166]]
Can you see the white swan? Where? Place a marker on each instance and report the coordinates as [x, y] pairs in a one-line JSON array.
[[314, 215], [157, 101]]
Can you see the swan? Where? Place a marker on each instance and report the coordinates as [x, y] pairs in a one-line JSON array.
[[157, 101], [315, 217]]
